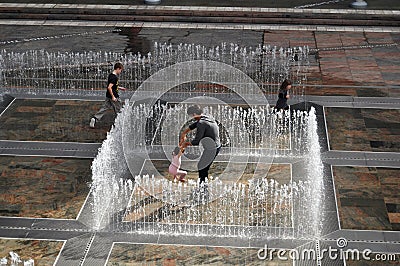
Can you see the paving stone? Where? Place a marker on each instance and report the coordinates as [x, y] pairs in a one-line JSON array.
[[367, 196]]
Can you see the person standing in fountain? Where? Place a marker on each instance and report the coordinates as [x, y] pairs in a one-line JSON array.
[[207, 133], [174, 167], [283, 95], [112, 100]]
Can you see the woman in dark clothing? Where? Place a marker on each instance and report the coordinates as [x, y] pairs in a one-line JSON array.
[[283, 95]]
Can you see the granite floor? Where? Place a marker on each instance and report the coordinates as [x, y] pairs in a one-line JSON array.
[[141, 254], [366, 71], [361, 64], [43, 187], [362, 129], [341, 63], [44, 253], [368, 197], [53, 120]]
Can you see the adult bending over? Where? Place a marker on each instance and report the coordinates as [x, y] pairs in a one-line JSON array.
[[207, 134]]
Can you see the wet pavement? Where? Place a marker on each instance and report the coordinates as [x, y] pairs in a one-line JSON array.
[[361, 129], [41, 251], [368, 197], [120, 39], [53, 120], [343, 63], [340, 4], [128, 254], [43, 187]]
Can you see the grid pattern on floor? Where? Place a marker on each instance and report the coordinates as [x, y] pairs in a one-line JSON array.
[[79, 236]]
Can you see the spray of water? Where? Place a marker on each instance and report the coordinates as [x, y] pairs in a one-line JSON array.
[[154, 205], [84, 72]]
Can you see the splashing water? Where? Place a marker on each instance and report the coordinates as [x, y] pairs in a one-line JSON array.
[[39, 71], [124, 198], [154, 205]]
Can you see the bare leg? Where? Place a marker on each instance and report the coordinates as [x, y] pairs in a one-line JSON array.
[[182, 174]]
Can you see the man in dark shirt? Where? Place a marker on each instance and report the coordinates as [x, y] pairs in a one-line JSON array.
[[112, 97], [207, 134]]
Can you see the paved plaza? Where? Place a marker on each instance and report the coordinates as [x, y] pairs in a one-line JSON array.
[[47, 146]]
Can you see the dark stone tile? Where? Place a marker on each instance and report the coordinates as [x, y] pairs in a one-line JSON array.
[[385, 146], [347, 112], [362, 202], [27, 115], [383, 115], [394, 208], [396, 226], [390, 76], [372, 92], [393, 131], [363, 130], [361, 219], [389, 176], [37, 103], [367, 197], [11, 127], [375, 123], [361, 196], [387, 61], [348, 177], [390, 190]]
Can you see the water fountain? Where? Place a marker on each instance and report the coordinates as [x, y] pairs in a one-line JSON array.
[[154, 205], [147, 129], [83, 73], [234, 84], [16, 260]]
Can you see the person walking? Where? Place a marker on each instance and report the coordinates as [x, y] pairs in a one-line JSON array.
[[283, 95], [112, 100], [207, 133]]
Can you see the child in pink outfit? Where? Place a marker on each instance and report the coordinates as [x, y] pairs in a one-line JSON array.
[[176, 164]]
